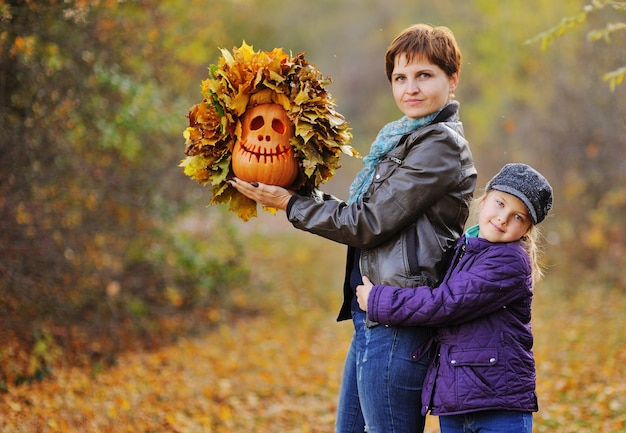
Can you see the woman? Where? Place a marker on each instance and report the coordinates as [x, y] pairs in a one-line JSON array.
[[406, 207]]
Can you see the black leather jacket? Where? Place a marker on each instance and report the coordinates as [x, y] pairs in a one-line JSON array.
[[415, 208]]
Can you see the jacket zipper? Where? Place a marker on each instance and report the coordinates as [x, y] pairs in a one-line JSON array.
[[453, 264]]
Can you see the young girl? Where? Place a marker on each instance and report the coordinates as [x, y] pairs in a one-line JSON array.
[[408, 203], [483, 376]]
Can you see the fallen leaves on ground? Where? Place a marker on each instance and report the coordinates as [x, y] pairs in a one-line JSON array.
[[280, 371], [580, 348], [255, 375]]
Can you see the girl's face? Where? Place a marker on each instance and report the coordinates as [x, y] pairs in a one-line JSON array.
[[503, 217], [420, 88]]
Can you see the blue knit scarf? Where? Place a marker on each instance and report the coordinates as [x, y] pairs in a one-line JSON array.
[[388, 138]]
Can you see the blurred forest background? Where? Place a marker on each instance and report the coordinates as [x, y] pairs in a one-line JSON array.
[[100, 246]]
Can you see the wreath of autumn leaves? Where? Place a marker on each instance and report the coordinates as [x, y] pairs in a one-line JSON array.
[[243, 79]]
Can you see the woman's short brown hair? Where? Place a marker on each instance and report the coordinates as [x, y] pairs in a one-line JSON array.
[[435, 44]]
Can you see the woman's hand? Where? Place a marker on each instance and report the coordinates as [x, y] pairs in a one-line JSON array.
[[363, 293], [266, 195]]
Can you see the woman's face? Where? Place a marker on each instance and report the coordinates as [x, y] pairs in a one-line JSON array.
[[503, 217], [420, 88]]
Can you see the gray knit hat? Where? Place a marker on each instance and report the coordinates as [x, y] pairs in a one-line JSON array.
[[527, 184]]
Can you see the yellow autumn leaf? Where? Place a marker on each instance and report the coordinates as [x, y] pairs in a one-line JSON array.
[[265, 96], [228, 58], [246, 51], [282, 99], [239, 103]]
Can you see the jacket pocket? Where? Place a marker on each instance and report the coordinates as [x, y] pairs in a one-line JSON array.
[[476, 372], [483, 357], [385, 169]]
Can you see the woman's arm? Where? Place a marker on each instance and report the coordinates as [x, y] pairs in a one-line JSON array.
[[402, 190]]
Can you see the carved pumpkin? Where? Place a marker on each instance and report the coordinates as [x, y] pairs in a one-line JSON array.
[[264, 153]]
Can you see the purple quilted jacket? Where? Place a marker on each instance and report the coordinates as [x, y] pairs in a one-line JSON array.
[[484, 341]]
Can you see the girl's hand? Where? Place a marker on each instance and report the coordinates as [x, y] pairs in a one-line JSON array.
[[363, 293], [266, 195]]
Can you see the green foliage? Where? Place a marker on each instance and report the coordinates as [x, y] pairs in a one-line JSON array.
[[45, 352], [615, 77], [89, 128], [202, 268]]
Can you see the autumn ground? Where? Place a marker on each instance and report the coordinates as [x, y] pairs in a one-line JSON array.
[[279, 370]]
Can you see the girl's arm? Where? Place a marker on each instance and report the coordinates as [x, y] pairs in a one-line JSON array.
[[487, 285]]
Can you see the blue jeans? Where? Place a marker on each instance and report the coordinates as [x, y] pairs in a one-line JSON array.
[[492, 421], [381, 385]]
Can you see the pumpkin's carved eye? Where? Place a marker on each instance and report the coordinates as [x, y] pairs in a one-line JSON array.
[[278, 126], [257, 123]]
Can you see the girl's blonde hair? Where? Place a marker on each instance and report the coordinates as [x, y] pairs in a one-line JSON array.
[[530, 241]]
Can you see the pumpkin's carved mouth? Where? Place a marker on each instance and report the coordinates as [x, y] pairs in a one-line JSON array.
[[264, 154]]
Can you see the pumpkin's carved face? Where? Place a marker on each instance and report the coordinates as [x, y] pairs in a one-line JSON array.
[[264, 153]]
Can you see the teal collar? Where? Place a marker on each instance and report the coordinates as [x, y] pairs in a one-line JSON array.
[[472, 232]]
